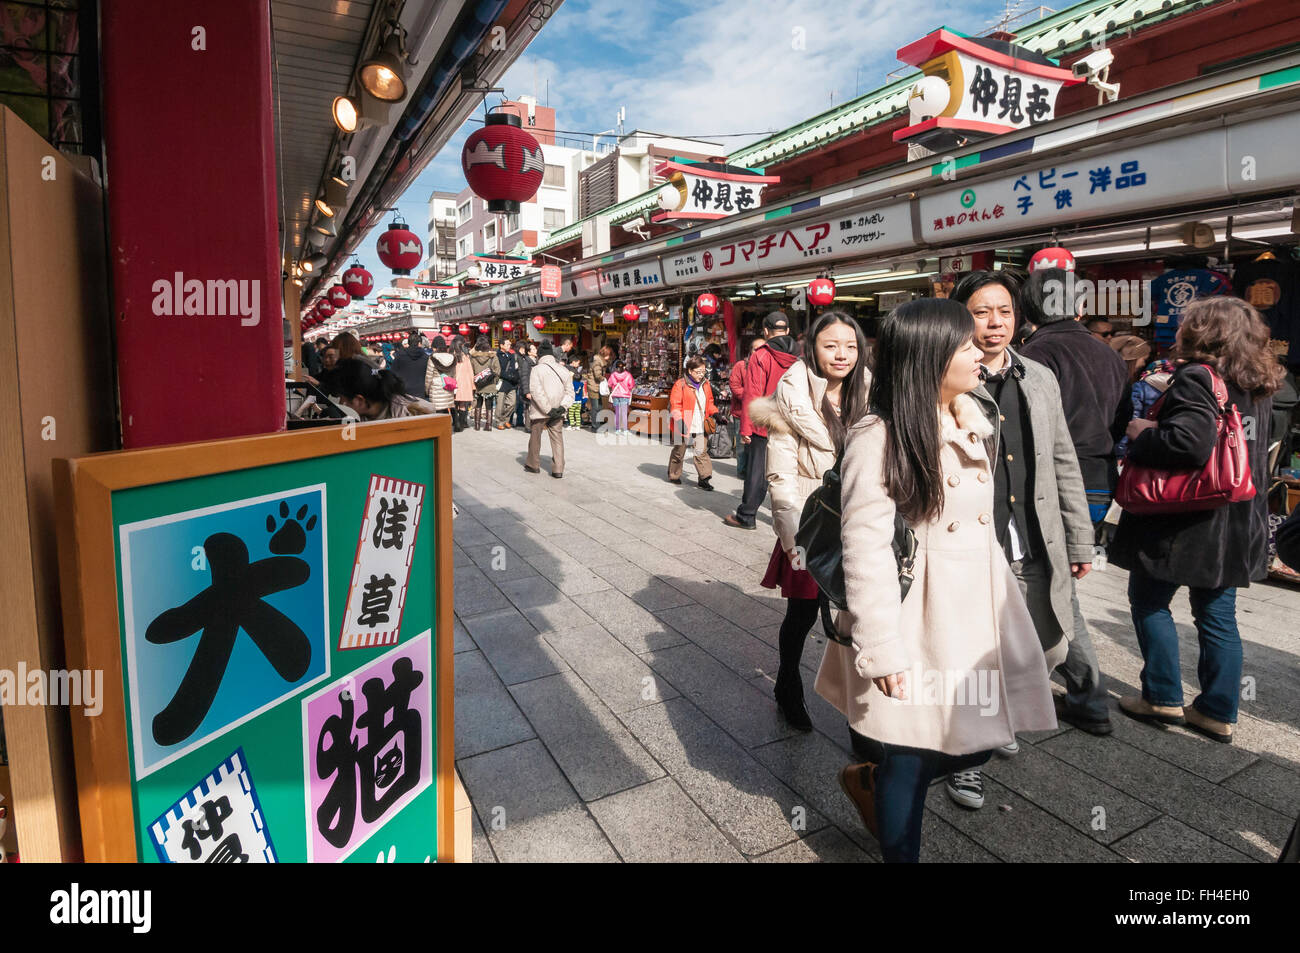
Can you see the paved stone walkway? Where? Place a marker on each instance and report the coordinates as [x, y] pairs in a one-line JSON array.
[[615, 657]]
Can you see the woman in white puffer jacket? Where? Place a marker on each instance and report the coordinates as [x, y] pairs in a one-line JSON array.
[[815, 403]]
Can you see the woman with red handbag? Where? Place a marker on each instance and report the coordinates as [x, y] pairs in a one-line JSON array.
[[1192, 513]]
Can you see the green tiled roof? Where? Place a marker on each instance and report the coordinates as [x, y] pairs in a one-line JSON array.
[[1055, 36]]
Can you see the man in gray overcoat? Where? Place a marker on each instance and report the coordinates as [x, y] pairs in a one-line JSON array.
[[1040, 507]]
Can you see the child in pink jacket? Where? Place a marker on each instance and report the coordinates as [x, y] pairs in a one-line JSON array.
[[620, 395]]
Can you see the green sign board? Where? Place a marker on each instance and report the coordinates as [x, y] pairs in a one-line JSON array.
[[278, 655]]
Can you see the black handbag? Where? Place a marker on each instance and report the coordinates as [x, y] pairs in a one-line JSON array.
[[819, 539]]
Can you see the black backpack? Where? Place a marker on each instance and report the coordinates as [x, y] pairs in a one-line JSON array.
[[819, 539]]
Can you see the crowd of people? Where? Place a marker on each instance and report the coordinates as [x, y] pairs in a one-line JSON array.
[[990, 430]]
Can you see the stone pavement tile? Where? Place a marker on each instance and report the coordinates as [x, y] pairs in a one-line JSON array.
[[476, 596], [628, 622], [530, 591], [572, 578], [593, 749], [623, 575], [810, 764], [541, 819], [480, 846], [486, 716], [748, 715], [620, 679], [1023, 834], [1069, 794], [735, 791], [498, 562], [1181, 746], [823, 714], [581, 548], [515, 649], [827, 846], [470, 532], [1269, 784], [657, 823], [463, 642], [648, 558], [735, 648], [727, 601], [672, 543], [1226, 816], [941, 843], [1167, 841], [657, 594]]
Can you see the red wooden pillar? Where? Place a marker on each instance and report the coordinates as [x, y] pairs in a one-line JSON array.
[[190, 161]]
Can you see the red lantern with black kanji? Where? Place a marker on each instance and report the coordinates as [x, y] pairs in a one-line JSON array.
[[821, 291], [339, 296], [324, 308], [358, 281], [631, 312], [539, 322], [707, 303], [464, 330], [400, 248], [503, 164], [483, 328], [507, 327]]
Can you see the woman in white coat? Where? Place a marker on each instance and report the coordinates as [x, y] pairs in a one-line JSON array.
[[933, 682], [807, 418]]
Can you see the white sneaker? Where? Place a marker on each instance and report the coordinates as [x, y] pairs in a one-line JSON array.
[[966, 788], [1011, 750]]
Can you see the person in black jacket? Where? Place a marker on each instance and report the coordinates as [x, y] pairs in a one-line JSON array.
[[410, 364], [1093, 378], [1212, 552], [509, 382]]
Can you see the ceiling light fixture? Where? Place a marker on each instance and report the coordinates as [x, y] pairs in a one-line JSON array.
[[346, 113], [383, 75]]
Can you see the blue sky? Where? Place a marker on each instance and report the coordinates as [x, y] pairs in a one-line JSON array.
[[744, 68]]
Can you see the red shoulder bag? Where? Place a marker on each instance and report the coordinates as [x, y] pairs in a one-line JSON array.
[[1224, 479]]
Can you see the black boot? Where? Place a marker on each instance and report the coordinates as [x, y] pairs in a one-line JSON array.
[[456, 425], [789, 698]]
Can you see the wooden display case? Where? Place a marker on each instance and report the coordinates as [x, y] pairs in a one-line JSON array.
[[648, 415]]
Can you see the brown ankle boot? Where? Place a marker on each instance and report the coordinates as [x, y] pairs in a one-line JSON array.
[[858, 781]]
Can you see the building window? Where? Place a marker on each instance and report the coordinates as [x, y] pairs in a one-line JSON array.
[[552, 218], [553, 176], [463, 213], [462, 247], [512, 224], [490, 237]]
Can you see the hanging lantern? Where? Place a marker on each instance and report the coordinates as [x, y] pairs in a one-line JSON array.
[[707, 303], [507, 327], [631, 312], [502, 163], [400, 248], [464, 330], [821, 291], [445, 330], [358, 281], [1052, 258], [539, 322], [483, 328], [324, 308], [339, 296]]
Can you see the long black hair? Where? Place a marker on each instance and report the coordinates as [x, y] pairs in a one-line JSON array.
[[358, 378], [913, 349], [853, 392]]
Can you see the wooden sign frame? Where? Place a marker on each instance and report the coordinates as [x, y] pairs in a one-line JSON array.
[[84, 488]]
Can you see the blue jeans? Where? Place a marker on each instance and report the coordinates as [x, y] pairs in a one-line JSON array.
[[1219, 668], [902, 777]]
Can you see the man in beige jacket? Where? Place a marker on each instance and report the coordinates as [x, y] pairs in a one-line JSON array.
[[550, 386]]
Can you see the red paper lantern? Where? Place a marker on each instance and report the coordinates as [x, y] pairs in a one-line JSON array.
[[464, 330], [502, 163], [1052, 258], [358, 281], [445, 330], [821, 291], [339, 296], [324, 308], [539, 322], [707, 303], [483, 328], [507, 327], [631, 312], [400, 248]]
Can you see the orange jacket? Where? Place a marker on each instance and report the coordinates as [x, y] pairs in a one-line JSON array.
[[682, 403]]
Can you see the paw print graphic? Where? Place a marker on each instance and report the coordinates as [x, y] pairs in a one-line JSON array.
[[291, 538]]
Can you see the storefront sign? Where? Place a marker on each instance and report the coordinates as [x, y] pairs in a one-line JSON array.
[[433, 292], [1139, 177], [858, 234], [975, 88], [709, 190], [493, 270], [560, 327], [550, 281], [394, 305], [617, 280]]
